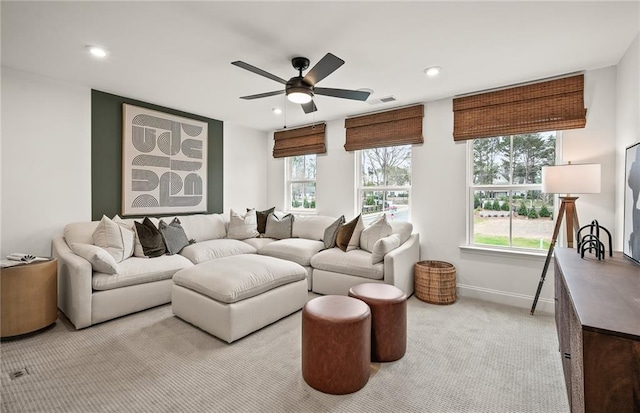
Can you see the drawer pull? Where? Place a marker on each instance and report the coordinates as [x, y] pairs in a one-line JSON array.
[[567, 355]]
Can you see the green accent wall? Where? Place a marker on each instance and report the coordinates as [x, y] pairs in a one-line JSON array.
[[106, 154]]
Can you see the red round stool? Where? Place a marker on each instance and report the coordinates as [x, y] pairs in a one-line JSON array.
[[336, 344], [388, 306]]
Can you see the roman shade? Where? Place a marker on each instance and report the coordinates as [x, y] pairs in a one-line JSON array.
[[544, 106], [391, 128], [300, 141]]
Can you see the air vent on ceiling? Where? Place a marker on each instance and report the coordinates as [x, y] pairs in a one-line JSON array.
[[381, 100]]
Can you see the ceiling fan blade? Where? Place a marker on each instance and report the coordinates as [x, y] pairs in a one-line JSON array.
[[342, 93], [327, 65], [263, 95], [257, 71], [309, 107]]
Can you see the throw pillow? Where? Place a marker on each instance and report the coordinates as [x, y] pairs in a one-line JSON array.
[[243, 226], [331, 233], [345, 233], [354, 242], [279, 227], [137, 247], [150, 238], [100, 259], [261, 217], [383, 246], [380, 228], [173, 236], [116, 239]]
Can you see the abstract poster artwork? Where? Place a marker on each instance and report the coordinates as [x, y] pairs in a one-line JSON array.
[[631, 243], [164, 163]]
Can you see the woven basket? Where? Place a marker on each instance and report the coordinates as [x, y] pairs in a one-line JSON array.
[[435, 282]]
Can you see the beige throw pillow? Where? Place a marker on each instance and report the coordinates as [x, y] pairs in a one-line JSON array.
[[380, 228], [137, 246], [383, 246], [116, 239], [243, 226], [100, 259]]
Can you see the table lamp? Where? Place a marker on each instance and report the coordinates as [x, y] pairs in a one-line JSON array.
[[566, 179]]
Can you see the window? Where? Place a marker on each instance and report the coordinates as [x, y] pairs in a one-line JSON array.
[[301, 182], [507, 206], [384, 182]]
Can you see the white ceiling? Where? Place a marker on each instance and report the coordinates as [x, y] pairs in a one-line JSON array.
[[178, 54]]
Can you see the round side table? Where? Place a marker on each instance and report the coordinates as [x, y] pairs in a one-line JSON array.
[[29, 297]]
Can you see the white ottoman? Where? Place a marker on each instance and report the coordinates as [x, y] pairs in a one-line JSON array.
[[234, 296]]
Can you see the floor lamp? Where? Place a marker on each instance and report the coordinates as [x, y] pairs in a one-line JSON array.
[[566, 179]]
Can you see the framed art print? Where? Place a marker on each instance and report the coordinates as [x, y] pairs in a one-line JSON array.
[[164, 163], [631, 237]]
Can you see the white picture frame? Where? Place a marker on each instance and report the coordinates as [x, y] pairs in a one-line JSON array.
[[164, 163]]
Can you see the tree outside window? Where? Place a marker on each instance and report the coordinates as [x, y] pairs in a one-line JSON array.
[[508, 207], [384, 182], [301, 182]]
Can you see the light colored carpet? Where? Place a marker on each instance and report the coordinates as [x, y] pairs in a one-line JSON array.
[[471, 356]]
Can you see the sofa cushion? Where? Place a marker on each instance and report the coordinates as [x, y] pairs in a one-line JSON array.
[[298, 250], [331, 232], [100, 259], [383, 246], [173, 236], [379, 228], [356, 262], [137, 270], [345, 232], [116, 239], [311, 226], [150, 238], [243, 226], [232, 279], [279, 227], [215, 248], [258, 243], [203, 227], [130, 223]]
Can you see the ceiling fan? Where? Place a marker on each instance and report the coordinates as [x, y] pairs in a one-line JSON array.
[[301, 89]]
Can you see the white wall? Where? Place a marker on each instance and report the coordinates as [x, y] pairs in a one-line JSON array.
[[438, 194], [46, 160], [627, 123], [245, 163]]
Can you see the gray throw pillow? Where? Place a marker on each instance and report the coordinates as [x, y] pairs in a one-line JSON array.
[[331, 233], [279, 228], [150, 238], [173, 236]]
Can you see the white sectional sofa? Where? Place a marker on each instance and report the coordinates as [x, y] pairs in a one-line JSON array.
[[88, 297]]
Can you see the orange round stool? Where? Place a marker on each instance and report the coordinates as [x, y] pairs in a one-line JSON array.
[[388, 306], [336, 344]]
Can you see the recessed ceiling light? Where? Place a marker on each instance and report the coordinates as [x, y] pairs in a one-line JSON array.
[[276, 111], [432, 71], [97, 51]]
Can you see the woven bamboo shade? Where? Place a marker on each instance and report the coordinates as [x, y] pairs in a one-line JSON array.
[[300, 141], [390, 128], [545, 106]]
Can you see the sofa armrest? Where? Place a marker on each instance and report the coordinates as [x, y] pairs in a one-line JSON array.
[[74, 284], [399, 264]]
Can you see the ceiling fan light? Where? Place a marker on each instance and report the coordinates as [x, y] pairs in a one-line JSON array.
[[299, 97]]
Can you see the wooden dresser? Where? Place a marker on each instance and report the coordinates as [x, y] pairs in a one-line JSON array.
[[598, 323]]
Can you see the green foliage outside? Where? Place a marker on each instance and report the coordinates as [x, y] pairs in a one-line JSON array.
[[503, 240], [505, 206], [522, 210], [532, 214], [544, 211], [496, 205]]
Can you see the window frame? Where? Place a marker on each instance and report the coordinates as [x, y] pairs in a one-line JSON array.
[[472, 188], [289, 183], [360, 188]]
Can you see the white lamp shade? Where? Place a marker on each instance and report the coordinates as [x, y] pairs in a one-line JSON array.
[[571, 179]]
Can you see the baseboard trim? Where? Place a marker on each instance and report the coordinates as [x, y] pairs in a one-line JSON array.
[[545, 305]]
